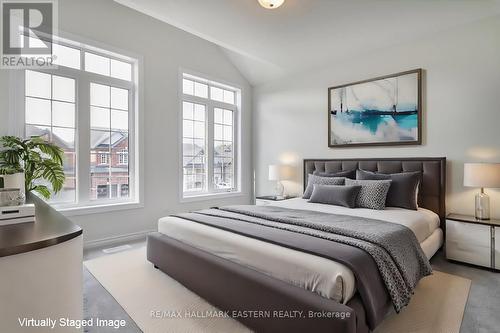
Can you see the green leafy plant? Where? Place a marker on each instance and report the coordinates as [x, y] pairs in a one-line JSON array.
[[39, 159]]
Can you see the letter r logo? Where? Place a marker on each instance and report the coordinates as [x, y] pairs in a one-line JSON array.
[[27, 27]]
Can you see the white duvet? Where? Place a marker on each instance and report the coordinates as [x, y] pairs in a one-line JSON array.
[[323, 276]]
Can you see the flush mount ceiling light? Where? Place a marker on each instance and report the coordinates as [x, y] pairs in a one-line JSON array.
[[271, 4]]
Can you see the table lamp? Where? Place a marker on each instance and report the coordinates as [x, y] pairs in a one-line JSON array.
[[279, 173], [482, 175]]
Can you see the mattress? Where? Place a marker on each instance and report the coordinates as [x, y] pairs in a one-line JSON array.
[[422, 222], [325, 277]]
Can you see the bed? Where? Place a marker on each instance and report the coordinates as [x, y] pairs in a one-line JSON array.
[[241, 274]]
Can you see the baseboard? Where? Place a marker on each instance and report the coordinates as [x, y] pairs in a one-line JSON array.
[[116, 239]]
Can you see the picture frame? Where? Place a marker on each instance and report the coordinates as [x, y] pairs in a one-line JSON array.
[[381, 111]]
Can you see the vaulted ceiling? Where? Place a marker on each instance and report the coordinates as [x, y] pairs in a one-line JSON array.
[[266, 44]]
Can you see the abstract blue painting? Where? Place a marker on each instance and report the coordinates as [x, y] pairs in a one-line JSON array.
[[380, 111]]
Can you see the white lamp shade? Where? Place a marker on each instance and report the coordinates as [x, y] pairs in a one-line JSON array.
[[274, 172], [482, 175], [280, 172], [286, 172]]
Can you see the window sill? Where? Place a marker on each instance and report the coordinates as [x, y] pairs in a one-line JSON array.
[[97, 209], [210, 196]]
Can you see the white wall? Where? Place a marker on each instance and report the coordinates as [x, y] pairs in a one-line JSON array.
[[164, 49], [461, 108]]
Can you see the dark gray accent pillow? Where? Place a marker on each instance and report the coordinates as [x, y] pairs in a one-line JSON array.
[[313, 179], [372, 194], [404, 187], [335, 195], [347, 174]]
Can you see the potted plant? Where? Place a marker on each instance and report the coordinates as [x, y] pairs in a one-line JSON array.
[[34, 159]]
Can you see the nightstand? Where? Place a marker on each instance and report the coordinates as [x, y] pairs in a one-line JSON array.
[[473, 241], [268, 199]]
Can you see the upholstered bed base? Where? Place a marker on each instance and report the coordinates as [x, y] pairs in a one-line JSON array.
[[233, 287]]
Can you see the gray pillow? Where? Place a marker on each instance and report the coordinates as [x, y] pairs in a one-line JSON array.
[[313, 179], [404, 187], [347, 174], [335, 195], [373, 193]]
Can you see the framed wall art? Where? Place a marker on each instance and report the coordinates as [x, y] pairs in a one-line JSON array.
[[381, 111]]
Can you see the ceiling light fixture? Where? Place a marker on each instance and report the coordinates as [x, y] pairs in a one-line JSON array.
[[271, 4]]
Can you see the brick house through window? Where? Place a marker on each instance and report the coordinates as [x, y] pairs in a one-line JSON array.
[[110, 179], [109, 164]]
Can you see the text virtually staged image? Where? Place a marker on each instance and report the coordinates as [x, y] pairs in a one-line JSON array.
[[222, 166]]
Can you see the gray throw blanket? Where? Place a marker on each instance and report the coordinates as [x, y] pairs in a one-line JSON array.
[[394, 247]]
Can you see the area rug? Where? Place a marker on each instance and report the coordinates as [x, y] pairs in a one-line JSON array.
[[158, 303]]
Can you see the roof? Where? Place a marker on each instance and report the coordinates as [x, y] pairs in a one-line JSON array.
[[99, 138]]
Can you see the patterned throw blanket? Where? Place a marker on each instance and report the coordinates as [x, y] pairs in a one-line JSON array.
[[394, 247]]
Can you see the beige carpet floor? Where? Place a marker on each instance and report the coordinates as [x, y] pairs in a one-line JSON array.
[[158, 303]]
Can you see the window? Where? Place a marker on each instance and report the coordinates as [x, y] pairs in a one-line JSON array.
[[50, 112], [90, 86], [123, 157], [104, 158], [106, 66], [209, 114], [109, 119], [194, 146], [223, 149]]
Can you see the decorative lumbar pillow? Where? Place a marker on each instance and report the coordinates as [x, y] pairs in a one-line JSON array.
[[404, 187], [372, 194], [347, 174], [313, 179], [335, 195]]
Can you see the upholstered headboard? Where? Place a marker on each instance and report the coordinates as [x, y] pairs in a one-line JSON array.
[[432, 189]]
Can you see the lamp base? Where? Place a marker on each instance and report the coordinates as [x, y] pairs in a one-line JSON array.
[[279, 190], [482, 206]]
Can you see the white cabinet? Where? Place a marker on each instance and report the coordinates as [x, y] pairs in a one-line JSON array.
[[44, 283], [468, 243], [473, 241]]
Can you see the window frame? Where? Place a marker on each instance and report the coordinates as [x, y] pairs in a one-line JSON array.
[[123, 157], [83, 204], [210, 105], [105, 157]]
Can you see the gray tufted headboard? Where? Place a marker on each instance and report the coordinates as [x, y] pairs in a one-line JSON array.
[[432, 189]]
